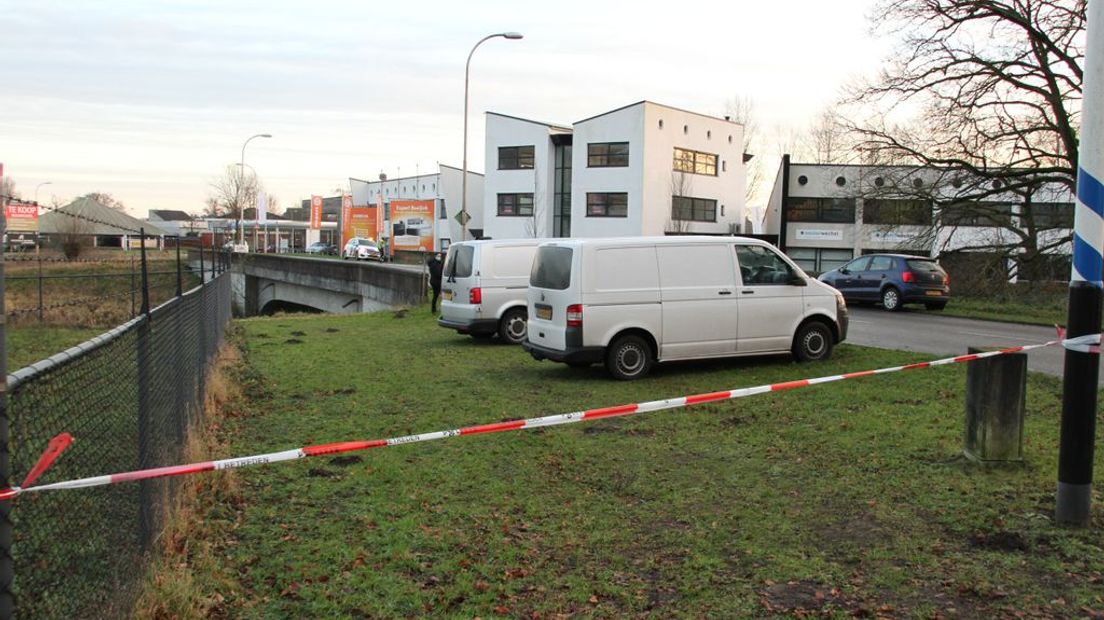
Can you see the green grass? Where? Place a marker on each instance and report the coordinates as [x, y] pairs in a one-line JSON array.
[[27, 345], [1047, 310], [846, 498]]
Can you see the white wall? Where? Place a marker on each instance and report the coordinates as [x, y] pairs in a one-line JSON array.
[[624, 125], [444, 184], [508, 131], [696, 132]]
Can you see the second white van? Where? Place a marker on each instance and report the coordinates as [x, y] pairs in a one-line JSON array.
[[483, 286], [631, 302]]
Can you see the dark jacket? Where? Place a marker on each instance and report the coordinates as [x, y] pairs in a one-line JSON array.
[[435, 267]]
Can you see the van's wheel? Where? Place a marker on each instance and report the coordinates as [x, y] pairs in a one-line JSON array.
[[813, 342], [629, 357], [891, 299], [512, 329]]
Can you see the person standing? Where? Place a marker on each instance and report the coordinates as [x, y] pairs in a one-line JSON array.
[[435, 268]]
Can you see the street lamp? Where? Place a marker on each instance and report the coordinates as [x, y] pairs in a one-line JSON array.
[[464, 182], [38, 186], [241, 180]]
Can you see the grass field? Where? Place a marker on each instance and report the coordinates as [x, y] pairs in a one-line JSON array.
[[850, 498]]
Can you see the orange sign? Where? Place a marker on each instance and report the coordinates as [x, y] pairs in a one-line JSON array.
[[361, 222], [412, 225], [316, 213], [21, 216]]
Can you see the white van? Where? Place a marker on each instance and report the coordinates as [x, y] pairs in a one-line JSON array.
[[631, 302], [483, 287]]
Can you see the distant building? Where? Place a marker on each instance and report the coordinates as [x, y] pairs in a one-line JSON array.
[[644, 169], [177, 223], [443, 187], [826, 214], [99, 225]]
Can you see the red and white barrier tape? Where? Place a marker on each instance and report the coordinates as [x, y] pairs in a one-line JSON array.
[[1088, 344]]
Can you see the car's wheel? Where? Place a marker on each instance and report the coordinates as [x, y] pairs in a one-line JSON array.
[[512, 328], [629, 357], [812, 342], [939, 305], [891, 299]]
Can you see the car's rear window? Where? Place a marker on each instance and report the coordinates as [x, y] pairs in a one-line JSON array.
[[458, 261], [924, 265], [551, 268]]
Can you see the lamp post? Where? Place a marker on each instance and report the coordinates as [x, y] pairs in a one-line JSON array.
[[241, 181], [464, 181], [38, 186]]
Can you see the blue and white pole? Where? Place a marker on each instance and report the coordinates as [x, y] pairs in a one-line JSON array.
[[1075, 452]]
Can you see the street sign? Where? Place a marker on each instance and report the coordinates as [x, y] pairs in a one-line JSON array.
[[463, 218]]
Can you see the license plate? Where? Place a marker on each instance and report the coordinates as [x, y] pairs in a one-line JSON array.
[[544, 313], [934, 293], [447, 295]]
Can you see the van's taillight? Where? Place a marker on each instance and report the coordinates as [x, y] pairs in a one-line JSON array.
[[575, 315], [907, 276], [946, 280], [475, 296]]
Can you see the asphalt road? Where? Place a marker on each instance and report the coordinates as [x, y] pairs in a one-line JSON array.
[[931, 332]]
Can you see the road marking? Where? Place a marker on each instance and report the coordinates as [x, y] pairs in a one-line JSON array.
[[991, 335]]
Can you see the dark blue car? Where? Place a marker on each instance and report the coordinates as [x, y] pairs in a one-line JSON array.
[[892, 280]]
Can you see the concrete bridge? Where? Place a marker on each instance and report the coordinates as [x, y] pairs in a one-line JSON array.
[[342, 287]]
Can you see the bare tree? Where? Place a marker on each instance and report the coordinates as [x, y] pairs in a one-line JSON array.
[[681, 186], [827, 139], [106, 200], [989, 92], [73, 232], [231, 193], [741, 109], [7, 190]]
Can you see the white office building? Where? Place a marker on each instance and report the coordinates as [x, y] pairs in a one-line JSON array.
[[826, 214], [644, 169], [444, 187]]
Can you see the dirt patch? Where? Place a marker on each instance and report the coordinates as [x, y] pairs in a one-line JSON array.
[[293, 341], [298, 333], [999, 541], [400, 314], [797, 596], [860, 530], [317, 472], [332, 330], [345, 461]]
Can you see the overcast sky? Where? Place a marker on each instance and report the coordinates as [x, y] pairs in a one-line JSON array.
[[150, 100]]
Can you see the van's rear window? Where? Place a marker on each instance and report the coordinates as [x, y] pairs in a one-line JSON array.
[[551, 268], [458, 261]]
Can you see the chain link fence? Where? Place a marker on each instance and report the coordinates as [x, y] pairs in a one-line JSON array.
[[128, 397]]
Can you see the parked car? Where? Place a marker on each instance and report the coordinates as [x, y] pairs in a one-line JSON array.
[[632, 302], [321, 247], [892, 280], [351, 247], [369, 251], [483, 288]]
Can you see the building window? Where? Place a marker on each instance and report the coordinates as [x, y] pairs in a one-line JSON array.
[[444, 213], [511, 205], [684, 208], [839, 210], [515, 157], [879, 181], [802, 180], [841, 181], [815, 261], [1049, 214], [897, 212], [979, 213], [695, 162], [607, 154], [607, 204]]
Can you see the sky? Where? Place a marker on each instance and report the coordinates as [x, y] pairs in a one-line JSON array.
[[150, 101]]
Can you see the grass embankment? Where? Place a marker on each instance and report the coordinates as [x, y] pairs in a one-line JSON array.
[[847, 498], [77, 307]]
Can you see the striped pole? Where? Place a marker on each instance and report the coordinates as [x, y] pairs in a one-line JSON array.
[[1075, 452]]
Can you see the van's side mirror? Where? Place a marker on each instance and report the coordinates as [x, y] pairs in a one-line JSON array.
[[844, 270], [797, 280]]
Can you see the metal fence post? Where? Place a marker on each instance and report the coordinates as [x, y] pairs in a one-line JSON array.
[[40, 289], [145, 424], [202, 269], [7, 566], [179, 275], [133, 288]]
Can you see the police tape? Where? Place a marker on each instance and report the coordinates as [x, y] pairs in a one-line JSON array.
[[1087, 344]]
